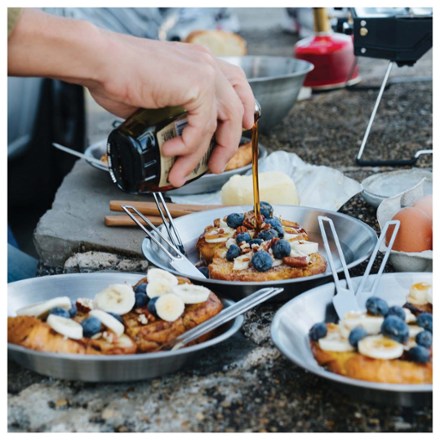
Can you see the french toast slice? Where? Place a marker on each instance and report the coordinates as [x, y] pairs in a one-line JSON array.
[[357, 366], [222, 269]]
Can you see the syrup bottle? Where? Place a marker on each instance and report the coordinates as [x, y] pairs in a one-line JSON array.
[[135, 161]]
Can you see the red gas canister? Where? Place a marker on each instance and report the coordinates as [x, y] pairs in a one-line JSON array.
[[331, 53]]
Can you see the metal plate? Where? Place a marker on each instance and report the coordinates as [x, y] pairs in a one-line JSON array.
[[380, 186], [96, 151], [97, 368], [357, 241], [206, 183], [292, 322]]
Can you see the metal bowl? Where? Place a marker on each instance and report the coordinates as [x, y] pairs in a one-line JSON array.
[[357, 241], [380, 186], [276, 83], [292, 322], [205, 184], [97, 368]]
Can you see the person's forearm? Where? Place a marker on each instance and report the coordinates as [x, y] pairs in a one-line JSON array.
[[55, 47]]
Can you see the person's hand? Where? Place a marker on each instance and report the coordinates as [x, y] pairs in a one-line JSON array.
[[152, 74], [124, 73]]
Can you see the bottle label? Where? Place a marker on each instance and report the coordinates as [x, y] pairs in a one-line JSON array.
[[168, 132]]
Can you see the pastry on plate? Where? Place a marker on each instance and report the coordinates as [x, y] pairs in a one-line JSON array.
[[219, 42], [386, 344], [120, 319], [235, 250]]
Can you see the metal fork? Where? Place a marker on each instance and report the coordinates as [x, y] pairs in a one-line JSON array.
[[177, 260], [226, 315], [345, 300], [363, 294], [168, 222]]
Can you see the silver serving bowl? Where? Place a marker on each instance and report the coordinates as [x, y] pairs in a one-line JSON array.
[[293, 320], [276, 83], [97, 368], [357, 241]]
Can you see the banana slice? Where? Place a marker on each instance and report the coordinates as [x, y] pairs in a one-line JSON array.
[[116, 298], [370, 323], [380, 347], [419, 293], [219, 235], [109, 321], [160, 274], [169, 307], [43, 307], [414, 330], [242, 262], [192, 294], [409, 316], [334, 340], [301, 248], [65, 326]]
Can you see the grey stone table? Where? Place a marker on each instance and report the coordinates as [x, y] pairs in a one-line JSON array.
[[245, 383]]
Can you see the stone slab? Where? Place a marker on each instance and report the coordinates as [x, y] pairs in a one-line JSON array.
[[76, 221]]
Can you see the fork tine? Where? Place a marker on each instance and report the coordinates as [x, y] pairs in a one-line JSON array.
[[168, 222], [321, 220], [388, 248], [128, 209]]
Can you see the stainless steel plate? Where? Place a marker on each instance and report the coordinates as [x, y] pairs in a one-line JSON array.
[[206, 183], [96, 151], [293, 320], [97, 368], [357, 241]]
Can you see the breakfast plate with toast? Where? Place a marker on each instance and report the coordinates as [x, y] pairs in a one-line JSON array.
[[380, 354]]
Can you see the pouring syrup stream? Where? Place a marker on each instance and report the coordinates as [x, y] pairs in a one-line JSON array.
[[255, 183]]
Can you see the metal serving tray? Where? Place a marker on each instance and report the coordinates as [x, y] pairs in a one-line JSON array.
[[206, 183], [97, 368], [293, 320], [357, 241]]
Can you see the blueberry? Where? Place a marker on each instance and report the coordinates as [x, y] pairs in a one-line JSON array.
[[276, 224], [424, 320], [204, 270], [395, 328], [116, 316], [268, 234], [91, 326], [235, 220], [59, 311], [152, 305], [424, 338], [266, 209], [233, 252], [141, 288], [73, 310], [141, 299], [243, 236], [356, 335], [419, 354], [262, 261], [256, 241], [397, 311], [376, 306], [281, 248], [318, 331]]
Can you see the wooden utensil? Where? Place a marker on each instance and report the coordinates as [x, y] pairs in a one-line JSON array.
[[150, 208], [123, 220]]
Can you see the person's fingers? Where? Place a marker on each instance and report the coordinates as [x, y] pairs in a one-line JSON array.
[[238, 80], [229, 128]]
